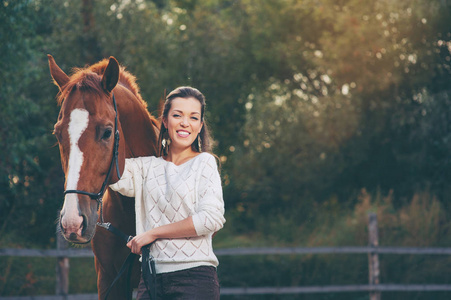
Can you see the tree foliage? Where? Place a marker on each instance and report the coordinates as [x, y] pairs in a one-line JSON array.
[[307, 100], [354, 86]]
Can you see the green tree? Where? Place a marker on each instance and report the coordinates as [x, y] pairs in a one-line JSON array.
[[29, 162], [353, 95]]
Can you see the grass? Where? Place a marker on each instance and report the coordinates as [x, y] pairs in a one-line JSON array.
[[37, 276]]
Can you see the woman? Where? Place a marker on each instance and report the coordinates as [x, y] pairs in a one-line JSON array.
[[179, 204]]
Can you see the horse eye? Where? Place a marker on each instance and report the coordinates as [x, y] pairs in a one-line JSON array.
[[107, 134]]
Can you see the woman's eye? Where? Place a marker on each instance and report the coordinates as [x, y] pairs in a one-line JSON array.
[[107, 134], [194, 118], [176, 115]]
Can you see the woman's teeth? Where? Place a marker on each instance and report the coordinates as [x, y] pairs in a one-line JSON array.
[[183, 133]]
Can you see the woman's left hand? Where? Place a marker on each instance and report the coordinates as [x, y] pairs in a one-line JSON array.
[[139, 241]]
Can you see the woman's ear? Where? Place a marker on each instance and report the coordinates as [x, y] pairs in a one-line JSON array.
[[165, 123]]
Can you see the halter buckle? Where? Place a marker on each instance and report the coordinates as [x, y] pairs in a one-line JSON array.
[[104, 225]]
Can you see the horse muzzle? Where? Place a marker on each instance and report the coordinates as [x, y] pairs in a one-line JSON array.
[[77, 229]]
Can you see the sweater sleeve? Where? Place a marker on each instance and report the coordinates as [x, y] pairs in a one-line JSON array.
[[209, 216], [126, 185]]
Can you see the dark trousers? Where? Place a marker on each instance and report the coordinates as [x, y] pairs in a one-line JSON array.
[[194, 284]]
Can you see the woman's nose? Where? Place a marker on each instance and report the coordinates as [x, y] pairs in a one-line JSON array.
[[184, 122]]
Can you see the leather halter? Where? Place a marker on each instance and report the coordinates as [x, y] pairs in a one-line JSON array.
[[114, 160]]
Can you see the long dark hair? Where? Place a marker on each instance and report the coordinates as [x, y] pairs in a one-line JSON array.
[[204, 135]]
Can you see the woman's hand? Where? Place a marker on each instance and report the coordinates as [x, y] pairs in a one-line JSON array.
[[141, 240]]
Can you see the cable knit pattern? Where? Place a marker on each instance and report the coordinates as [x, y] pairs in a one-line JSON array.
[[166, 193]]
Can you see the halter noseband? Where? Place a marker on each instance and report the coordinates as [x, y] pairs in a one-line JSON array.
[[98, 196]]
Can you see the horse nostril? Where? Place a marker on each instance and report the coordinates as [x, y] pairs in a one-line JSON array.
[[73, 236], [83, 224]]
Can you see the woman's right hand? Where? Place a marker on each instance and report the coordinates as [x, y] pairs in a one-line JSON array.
[[141, 240]]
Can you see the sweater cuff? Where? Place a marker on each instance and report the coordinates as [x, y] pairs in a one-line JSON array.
[[199, 226]]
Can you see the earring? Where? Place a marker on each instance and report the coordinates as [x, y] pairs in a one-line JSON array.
[[199, 144], [165, 143]]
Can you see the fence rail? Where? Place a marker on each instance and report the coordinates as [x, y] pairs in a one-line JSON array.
[[46, 253], [373, 251], [249, 251], [278, 290]]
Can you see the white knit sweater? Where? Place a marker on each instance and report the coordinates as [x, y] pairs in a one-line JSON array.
[[166, 193]]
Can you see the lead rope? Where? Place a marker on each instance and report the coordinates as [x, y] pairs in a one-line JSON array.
[[147, 265], [148, 269]]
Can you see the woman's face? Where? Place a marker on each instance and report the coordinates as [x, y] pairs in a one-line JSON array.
[[183, 122]]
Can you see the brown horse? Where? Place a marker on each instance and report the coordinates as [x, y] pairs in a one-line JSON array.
[[85, 132]]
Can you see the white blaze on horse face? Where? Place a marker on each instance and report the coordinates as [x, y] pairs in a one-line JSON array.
[[79, 119]]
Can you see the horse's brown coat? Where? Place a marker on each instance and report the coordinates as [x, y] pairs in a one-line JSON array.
[[90, 89]]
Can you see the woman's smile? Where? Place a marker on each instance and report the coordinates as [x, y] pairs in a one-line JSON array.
[[183, 133]]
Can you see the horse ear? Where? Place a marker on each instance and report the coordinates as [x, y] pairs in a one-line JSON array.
[[111, 75], [59, 77]]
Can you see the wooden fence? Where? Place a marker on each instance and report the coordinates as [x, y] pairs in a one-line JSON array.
[[374, 287]]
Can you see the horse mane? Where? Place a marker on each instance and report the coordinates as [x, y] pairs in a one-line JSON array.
[[89, 78]]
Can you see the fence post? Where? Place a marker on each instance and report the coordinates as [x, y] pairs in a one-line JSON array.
[[62, 266], [373, 258]]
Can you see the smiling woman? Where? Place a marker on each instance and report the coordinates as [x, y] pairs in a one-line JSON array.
[[178, 202]]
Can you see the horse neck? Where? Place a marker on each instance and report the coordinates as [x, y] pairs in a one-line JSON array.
[[140, 129]]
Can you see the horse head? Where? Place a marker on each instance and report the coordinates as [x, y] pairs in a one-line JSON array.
[[85, 131]]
